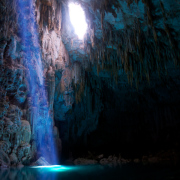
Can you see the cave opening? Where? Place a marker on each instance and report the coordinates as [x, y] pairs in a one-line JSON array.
[[78, 19]]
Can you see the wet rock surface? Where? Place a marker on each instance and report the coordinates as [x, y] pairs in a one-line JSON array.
[[21, 91], [120, 86], [41, 162], [129, 88]]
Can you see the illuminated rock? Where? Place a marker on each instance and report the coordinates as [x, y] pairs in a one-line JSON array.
[[107, 82], [41, 162]]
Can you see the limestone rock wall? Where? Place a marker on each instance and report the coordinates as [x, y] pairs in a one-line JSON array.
[[91, 86], [26, 28], [15, 130], [129, 69]]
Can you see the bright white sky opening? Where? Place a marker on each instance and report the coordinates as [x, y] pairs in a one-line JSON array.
[[77, 18]]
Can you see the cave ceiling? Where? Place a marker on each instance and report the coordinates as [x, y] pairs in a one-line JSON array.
[[131, 55], [138, 37]]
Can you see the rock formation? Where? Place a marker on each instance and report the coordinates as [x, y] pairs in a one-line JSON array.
[[119, 85], [25, 114]]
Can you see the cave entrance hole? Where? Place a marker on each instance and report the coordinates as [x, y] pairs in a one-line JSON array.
[[78, 20]]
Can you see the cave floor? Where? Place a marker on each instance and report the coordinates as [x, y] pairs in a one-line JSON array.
[[91, 172]]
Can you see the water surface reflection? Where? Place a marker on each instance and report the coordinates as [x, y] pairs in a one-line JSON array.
[[93, 172]]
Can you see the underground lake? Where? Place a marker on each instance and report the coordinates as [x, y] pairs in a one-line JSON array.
[[93, 172]]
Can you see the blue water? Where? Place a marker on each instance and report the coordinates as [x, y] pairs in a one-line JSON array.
[[93, 172]]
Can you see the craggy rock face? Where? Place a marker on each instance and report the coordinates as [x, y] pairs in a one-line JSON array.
[[13, 159], [21, 93], [25, 132], [23, 152], [116, 77], [3, 104], [13, 119], [15, 135], [11, 79], [129, 84], [4, 146], [4, 159], [24, 109], [1, 127]]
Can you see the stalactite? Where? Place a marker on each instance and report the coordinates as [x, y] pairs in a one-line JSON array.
[[130, 44]]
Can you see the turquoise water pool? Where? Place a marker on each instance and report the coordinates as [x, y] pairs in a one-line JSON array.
[[92, 172]]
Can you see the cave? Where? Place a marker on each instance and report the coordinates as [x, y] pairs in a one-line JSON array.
[[89, 89]]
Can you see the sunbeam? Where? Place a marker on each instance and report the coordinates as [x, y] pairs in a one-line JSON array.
[[42, 121], [77, 18]]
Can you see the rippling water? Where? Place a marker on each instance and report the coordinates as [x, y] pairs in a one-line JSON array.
[[92, 172]]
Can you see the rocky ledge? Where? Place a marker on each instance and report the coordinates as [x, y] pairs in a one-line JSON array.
[[166, 157]]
